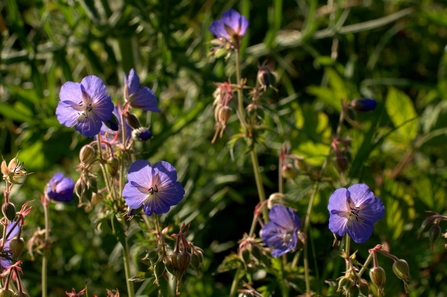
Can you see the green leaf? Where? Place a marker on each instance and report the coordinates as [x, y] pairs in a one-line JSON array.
[[16, 114], [401, 111]]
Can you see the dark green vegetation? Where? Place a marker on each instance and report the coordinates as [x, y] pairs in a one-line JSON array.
[[393, 51]]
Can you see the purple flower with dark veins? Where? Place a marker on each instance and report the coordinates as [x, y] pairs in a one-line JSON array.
[[231, 27], [142, 98], [84, 105], [155, 188], [281, 232], [354, 210], [60, 188]]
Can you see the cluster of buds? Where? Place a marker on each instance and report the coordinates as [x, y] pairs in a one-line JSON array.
[[352, 284], [377, 274], [222, 111], [434, 232], [175, 261], [251, 252], [88, 166]]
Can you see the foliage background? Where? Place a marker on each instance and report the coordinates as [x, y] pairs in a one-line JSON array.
[[393, 51]]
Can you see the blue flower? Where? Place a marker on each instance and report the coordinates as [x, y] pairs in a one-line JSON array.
[[84, 105], [142, 98], [364, 104], [11, 231], [60, 188], [354, 210], [232, 27], [281, 232], [141, 134], [155, 188]]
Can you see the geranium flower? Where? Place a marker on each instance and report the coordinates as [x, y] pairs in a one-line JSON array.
[[155, 188], [143, 98], [354, 210], [60, 188], [281, 232], [11, 231], [231, 27], [84, 105]]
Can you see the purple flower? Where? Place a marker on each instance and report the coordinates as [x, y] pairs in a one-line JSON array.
[[60, 188], [111, 135], [141, 134], [155, 188], [11, 231], [231, 27], [364, 104], [84, 105], [281, 232], [143, 98], [354, 210]]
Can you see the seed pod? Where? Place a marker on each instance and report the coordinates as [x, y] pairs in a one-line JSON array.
[[434, 233], [9, 211], [363, 286], [288, 171], [6, 293], [378, 276], [87, 154], [16, 246], [133, 120], [401, 269]]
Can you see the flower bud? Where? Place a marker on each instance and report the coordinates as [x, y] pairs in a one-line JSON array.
[[183, 260], [21, 294], [288, 171], [141, 134], [196, 257], [401, 269], [353, 292], [16, 246], [6, 293], [96, 198], [245, 255], [434, 233], [342, 162], [87, 154], [363, 287], [378, 276], [112, 166], [224, 114], [133, 120], [301, 164], [256, 251], [344, 283], [275, 198], [265, 76], [9, 211], [79, 188], [364, 104]]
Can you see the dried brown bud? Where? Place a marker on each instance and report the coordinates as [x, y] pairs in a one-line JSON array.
[[87, 154]]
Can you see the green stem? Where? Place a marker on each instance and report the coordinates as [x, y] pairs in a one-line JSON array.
[[46, 251], [235, 283], [126, 258]]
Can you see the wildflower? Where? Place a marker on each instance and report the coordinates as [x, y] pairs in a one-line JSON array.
[[354, 210], [74, 294], [14, 170], [155, 188], [60, 188], [232, 27], [143, 98], [84, 105], [364, 104], [11, 231], [282, 231], [111, 135]]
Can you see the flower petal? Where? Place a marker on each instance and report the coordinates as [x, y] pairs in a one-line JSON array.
[[218, 29], [337, 200], [360, 232], [145, 100]]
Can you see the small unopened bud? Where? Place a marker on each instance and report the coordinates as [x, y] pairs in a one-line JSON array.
[[245, 255], [345, 283], [288, 171], [275, 198], [434, 233], [363, 287], [87, 154], [353, 291], [141, 134], [96, 198], [196, 257], [402, 270], [342, 162], [301, 164], [133, 120], [183, 260], [9, 211], [265, 76], [378, 276], [224, 114], [364, 104], [112, 166], [79, 188], [6, 293], [256, 251], [16, 246]]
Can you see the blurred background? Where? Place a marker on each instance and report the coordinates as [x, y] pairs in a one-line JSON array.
[[320, 51]]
